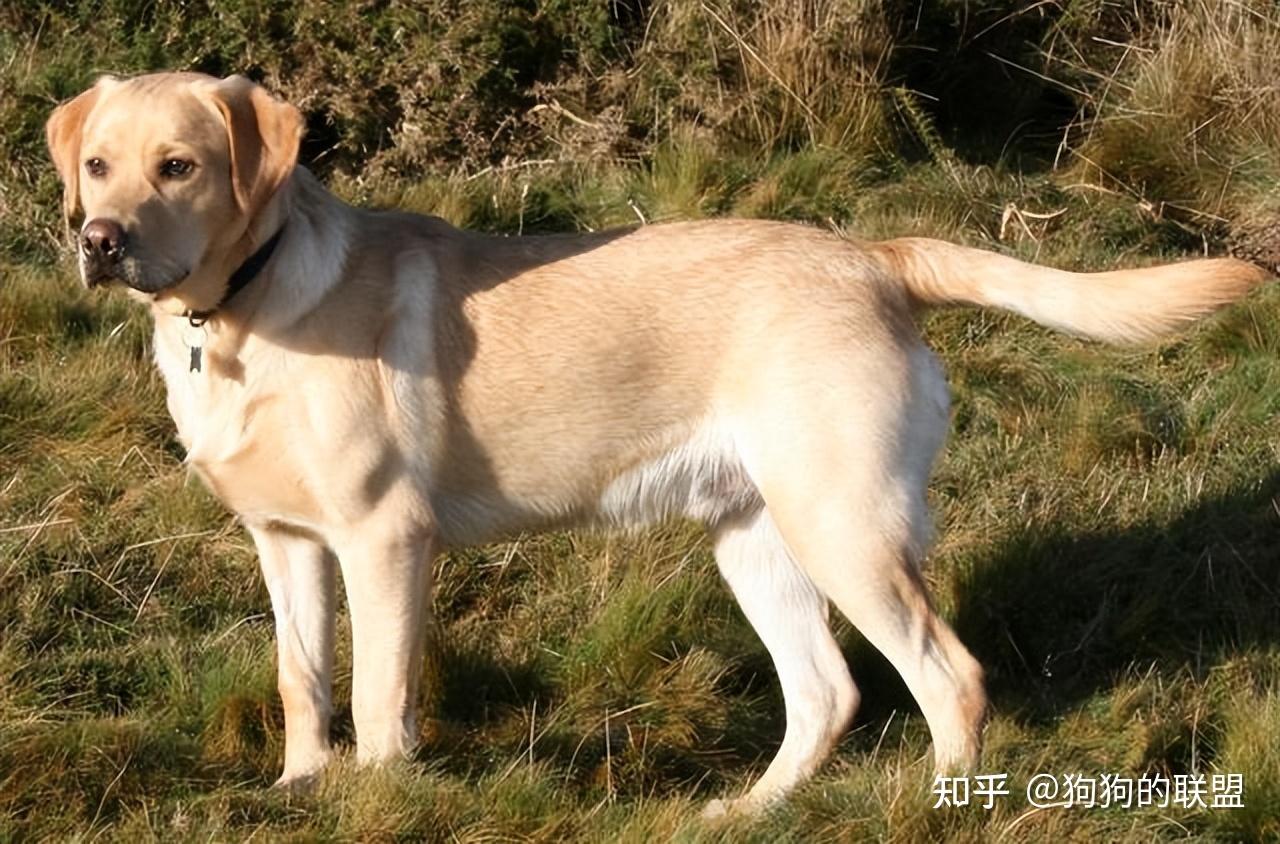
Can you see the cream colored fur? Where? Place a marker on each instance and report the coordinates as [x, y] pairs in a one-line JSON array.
[[390, 386]]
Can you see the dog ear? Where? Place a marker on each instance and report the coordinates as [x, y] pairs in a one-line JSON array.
[[63, 131], [263, 134]]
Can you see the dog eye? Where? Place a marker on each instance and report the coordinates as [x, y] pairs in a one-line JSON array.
[[175, 168], [96, 167]]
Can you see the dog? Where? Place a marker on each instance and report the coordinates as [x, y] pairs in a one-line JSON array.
[[365, 388]]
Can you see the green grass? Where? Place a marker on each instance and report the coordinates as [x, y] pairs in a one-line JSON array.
[[1107, 528], [1108, 519]]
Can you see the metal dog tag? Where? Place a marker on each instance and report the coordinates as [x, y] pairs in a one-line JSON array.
[[194, 336]]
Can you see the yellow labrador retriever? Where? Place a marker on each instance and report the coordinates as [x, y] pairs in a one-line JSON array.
[[364, 388]]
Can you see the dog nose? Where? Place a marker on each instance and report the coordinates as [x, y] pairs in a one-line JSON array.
[[103, 239]]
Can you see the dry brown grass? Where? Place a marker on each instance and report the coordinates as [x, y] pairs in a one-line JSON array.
[[1187, 120]]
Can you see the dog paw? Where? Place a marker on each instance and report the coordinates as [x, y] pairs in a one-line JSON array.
[[716, 809], [740, 807], [746, 806], [297, 784]]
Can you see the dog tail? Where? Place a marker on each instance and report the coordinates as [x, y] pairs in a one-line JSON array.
[[1121, 306]]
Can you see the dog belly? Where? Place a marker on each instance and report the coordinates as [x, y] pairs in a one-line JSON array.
[[701, 478]]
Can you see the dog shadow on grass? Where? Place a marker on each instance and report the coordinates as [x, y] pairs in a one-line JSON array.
[[1056, 617]]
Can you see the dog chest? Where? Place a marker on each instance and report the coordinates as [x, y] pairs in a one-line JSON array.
[[252, 462], [240, 443]]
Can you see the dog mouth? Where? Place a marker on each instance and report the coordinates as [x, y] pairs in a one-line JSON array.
[[131, 273], [99, 277]]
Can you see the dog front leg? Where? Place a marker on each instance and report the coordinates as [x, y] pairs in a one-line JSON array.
[[300, 578], [387, 574]]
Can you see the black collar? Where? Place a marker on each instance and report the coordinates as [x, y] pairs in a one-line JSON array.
[[239, 280]]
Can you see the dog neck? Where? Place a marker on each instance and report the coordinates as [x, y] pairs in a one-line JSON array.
[[240, 279], [308, 262]]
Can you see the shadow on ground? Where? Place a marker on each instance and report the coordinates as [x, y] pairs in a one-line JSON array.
[[1057, 617]]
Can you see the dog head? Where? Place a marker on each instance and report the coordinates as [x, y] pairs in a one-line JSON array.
[[171, 171]]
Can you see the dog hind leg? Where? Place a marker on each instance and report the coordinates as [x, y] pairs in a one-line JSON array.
[[848, 499], [790, 616]]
